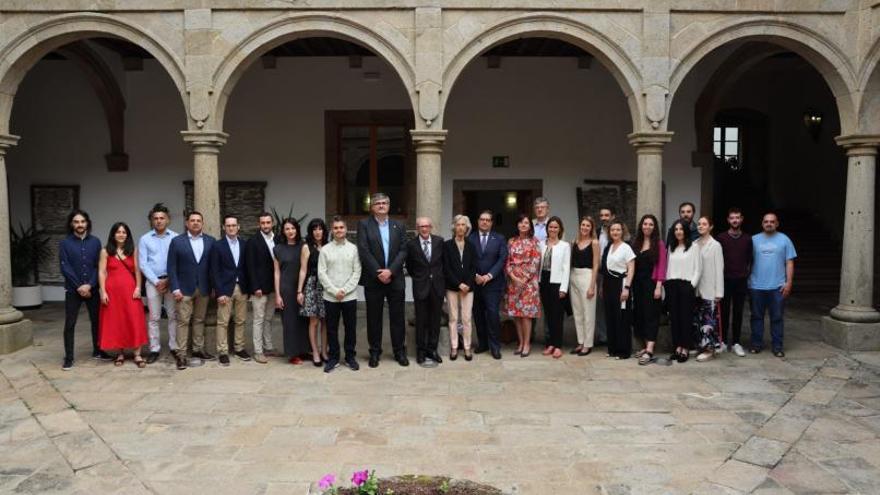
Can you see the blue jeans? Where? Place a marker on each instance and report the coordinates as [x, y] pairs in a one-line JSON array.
[[762, 301]]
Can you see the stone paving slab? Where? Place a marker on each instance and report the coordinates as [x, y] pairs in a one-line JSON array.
[[757, 424]]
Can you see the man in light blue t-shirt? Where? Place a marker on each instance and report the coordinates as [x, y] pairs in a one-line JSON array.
[[773, 257]]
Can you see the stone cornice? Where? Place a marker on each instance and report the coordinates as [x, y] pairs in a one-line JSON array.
[[7, 141], [650, 142], [428, 141], [205, 141], [859, 144]]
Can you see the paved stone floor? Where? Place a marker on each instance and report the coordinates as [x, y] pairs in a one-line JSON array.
[[804, 424]]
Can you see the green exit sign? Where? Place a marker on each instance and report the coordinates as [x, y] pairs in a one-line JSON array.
[[500, 162]]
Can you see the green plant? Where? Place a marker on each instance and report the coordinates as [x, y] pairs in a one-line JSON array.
[[444, 487], [29, 248], [279, 219]]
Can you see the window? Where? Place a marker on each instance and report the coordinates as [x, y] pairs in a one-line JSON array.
[[368, 152], [726, 146]]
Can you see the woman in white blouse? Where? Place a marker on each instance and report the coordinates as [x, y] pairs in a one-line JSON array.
[[710, 290], [682, 276], [555, 271], [618, 268]]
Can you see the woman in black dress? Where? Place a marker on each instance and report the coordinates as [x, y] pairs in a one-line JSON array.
[[647, 285], [288, 255], [310, 295]]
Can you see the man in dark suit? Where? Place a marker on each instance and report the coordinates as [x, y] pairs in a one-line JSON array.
[[261, 284], [491, 256], [424, 262], [188, 265], [381, 245], [228, 277]]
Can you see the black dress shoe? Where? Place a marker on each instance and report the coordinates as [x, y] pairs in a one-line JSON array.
[[436, 357], [496, 354], [352, 364], [103, 356], [402, 360], [152, 357], [243, 355], [374, 361], [181, 361], [204, 356], [420, 358], [223, 360]]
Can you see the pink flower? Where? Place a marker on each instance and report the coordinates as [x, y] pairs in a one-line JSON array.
[[360, 477], [327, 481]]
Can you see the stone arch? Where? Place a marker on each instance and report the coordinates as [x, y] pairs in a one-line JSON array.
[[602, 47], [869, 90], [292, 26], [829, 60], [23, 51]]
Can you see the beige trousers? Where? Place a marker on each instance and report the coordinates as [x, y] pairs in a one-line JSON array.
[[263, 308], [460, 309], [584, 309], [191, 308], [236, 306]]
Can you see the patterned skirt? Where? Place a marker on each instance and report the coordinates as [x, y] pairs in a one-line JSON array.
[[313, 298], [706, 329]]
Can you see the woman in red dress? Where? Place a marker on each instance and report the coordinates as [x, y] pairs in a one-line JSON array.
[[522, 298], [122, 325]]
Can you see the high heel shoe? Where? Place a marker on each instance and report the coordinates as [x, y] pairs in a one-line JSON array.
[[525, 353], [468, 355], [517, 352], [453, 354]]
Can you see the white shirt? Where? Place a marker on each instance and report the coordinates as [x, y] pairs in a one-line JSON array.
[[234, 246], [426, 246], [339, 268], [711, 285], [197, 244], [618, 257], [270, 241], [685, 265]]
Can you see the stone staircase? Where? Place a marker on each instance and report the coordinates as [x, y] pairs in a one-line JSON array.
[[817, 268]]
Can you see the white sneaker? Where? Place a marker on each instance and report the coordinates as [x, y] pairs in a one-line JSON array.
[[705, 356], [739, 350], [720, 348]]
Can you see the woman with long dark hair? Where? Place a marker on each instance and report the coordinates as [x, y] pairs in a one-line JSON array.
[[710, 290], [288, 259], [310, 293], [554, 280], [682, 276], [618, 267], [122, 325], [647, 286], [585, 256], [522, 300]]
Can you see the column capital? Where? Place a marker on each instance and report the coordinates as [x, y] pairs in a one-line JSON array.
[[859, 144], [205, 141], [649, 142], [7, 141], [429, 141]]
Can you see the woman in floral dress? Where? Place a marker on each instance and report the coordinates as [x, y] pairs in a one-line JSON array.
[[522, 297]]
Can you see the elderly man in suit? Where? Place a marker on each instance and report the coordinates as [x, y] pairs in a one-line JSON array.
[[229, 279], [424, 262], [381, 244], [188, 265], [490, 283], [261, 284]]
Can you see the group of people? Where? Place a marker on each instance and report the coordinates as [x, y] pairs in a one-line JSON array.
[[613, 287]]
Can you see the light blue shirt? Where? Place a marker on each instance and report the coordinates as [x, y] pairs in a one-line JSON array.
[[198, 246], [234, 247], [153, 254], [540, 232], [386, 239], [769, 254]]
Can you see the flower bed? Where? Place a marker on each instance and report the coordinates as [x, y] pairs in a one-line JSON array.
[[366, 483]]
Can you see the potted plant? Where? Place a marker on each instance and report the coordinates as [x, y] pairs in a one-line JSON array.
[[29, 249]]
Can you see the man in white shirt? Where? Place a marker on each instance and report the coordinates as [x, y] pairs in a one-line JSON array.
[[339, 270]]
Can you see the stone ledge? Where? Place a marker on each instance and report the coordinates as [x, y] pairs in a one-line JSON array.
[[15, 336], [851, 336]]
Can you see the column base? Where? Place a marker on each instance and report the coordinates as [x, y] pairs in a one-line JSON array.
[[15, 336], [851, 336]]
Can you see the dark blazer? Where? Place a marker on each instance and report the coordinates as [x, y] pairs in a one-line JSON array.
[[224, 271], [184, 273], [260, 266], [369, 243], [427, 275], [459, 269], [492, 259]]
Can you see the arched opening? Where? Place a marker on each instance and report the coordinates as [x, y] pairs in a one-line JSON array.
[[537, 116], [99, 119], [317, 124], [764, 121]]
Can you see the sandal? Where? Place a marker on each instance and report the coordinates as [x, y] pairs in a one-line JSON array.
[[140, 362], [646, 358], [557, 353], [120, 358], [640, 353]]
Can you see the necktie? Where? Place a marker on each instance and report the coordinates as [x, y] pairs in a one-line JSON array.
[[426, 247], [483, 242]]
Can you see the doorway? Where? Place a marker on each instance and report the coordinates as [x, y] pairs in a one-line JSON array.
[[506, 198]]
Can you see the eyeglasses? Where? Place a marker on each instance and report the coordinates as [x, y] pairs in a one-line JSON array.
[[485, 219]]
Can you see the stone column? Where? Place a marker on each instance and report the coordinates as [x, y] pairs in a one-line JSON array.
[[429, 150], [206, 178], [649, 149], [15, 331], [854, 324]]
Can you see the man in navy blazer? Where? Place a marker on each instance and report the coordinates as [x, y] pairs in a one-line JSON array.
[[381, 245], [188, 266], [490, 283], [229, 279]]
